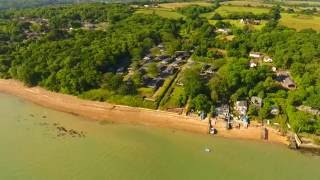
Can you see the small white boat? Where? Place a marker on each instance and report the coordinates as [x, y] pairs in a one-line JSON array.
[[207, 150]]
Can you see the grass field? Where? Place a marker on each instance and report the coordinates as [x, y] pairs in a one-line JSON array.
[[184, 4], [300, 22], [225, 10], [163, 12], [261, 3], [302, 3], [246, 3]]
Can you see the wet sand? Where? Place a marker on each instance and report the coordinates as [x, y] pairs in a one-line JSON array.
[[102, 111]]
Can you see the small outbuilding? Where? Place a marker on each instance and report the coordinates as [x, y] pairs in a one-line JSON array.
[[255, 55], [256, 101]]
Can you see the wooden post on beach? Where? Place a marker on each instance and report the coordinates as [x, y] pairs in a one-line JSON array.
[[264, 133]]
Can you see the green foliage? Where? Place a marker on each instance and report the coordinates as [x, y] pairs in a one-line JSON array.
[[153, 70], [194, 11], [129, 100], [201, 103], [193, 84]]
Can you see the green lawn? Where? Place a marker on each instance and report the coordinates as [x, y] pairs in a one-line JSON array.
[[176, 98], [145, 91], [163, 12], [300, 22]]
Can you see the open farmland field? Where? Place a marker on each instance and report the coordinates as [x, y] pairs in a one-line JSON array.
[[225, 10], [183, 4], [311, 3], [246, 3], [300, 22], [163, 12]]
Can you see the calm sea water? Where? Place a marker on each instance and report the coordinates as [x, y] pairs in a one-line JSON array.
[[32, 148]]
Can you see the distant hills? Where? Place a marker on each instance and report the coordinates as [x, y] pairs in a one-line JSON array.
[[8, 4]]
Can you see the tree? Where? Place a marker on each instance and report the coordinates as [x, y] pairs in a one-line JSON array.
[[193, 84], [112, 81], [275, 12], [153, 70], [201, 103]]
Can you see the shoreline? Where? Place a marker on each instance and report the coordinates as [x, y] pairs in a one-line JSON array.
[[103, 111]]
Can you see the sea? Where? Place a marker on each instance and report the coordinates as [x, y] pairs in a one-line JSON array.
[[37, 143]]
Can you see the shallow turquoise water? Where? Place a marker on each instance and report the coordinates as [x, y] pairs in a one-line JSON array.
[[31, 149]]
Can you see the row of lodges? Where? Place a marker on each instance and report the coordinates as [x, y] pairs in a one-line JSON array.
[[166, 65]]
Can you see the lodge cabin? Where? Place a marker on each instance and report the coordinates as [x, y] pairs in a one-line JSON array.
[[155, 83], [170, 70], [160, 46], [120, 70], [88, 25], [161, 66], [166, 60], [147, 58], [162, 57], [180, 83], [210, 70]]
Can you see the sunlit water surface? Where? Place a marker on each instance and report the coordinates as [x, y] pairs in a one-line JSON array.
[[32, 148]]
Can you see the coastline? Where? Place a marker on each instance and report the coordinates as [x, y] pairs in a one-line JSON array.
[[124, 114]]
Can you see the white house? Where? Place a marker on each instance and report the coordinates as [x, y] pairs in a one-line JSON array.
[[253, 64], [223, 30], [222, 111], [255, 55], [274, 111], [146, 58], [241, 107], [267, 59], [274, 69]]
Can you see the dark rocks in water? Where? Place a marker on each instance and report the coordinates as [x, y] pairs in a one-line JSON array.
[[62, 131], [104, 122], [61, 128], [61, 134], [31, 115], [43, 124], [55, 124], [293, 144], [44, 116], [310, 151]]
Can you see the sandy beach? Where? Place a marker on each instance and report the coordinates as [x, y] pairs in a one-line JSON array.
[[123, 114]]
